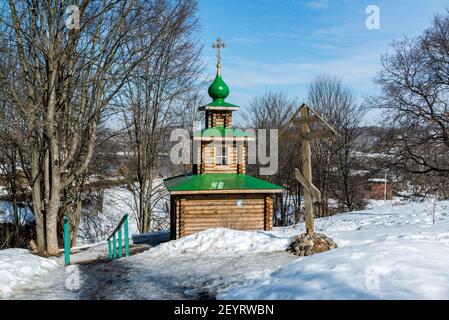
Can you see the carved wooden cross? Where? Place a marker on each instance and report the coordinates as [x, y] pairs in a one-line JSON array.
[[219, 45], [311, 193]]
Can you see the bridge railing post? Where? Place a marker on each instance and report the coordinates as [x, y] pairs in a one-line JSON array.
[[66, 241], [120, 247], [126, 236], [114, 247], [109, 248]]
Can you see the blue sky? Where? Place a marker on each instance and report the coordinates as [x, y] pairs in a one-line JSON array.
[[282, 45]]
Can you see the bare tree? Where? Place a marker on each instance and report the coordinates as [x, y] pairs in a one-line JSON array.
[[272, 111], [156, 100], [335, 159], [65, 79], [414, 86]]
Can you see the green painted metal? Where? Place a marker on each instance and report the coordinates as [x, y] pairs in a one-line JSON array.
[[114, 245], [126, 236], [109, 249], [120, 243], [218, 90], [222, 132], [116, 250], [217, 182], [221, 103], [66, 241]]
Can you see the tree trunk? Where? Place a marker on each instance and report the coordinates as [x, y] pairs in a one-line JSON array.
[[37, 200]]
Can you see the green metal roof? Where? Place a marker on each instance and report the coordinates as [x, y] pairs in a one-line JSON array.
[[221, 132], [221, 103], [202, 182], [218, 89]]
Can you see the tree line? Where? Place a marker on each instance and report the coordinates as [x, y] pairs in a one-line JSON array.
[[61, 86]]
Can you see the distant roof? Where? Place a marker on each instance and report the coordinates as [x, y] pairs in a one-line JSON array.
[[217, 182], [222, 132]]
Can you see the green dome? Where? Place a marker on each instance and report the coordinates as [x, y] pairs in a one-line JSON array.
[[218, 89]]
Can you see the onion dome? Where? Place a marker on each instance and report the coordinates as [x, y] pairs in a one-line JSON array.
[[218, 90]]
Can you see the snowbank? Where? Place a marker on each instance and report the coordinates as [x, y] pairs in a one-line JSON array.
[[387, 270], [224, 241], [386, 252], [19, 266]]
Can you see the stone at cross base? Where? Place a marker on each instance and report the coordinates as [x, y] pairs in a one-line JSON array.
[[309, 244]]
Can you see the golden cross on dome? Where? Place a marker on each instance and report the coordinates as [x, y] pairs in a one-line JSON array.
[[219, 45]]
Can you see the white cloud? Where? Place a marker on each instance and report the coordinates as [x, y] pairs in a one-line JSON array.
[[356, 69]]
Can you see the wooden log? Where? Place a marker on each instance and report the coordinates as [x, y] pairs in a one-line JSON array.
[[220, 202], [182, 215], [219, 222], [309, 119], [307, 170], [316, 194]]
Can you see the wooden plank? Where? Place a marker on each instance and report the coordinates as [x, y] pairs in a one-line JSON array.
[[217, 222], [221, 202], [308, 185], [217, 197], [182, 216], [309, 119], [227, 191], [323, 121], [227, 206]]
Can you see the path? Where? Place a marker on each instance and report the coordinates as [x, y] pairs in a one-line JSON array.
[[143, 276]]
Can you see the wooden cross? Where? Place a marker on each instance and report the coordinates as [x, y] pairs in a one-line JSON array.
[[219, 45], [311, 193]]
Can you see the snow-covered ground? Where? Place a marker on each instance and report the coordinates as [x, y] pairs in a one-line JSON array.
[[224, 242], [390, 250], [18, 267]]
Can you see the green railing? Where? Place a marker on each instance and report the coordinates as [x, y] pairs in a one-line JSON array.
[[66, 241], [115, 240]]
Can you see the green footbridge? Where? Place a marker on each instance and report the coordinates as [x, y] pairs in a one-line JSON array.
[[117, 241]]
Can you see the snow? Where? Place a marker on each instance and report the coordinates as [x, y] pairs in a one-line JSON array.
[[224, 241], [391, 250], [19, 267], [385, 252]]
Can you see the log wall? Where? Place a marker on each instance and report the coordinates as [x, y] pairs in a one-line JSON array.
[[236, 159], [218, 119], [194, 213]]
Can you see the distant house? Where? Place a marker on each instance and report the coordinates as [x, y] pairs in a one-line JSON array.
[[379, 189]]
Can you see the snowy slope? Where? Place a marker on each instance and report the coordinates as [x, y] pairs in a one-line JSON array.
[[19, 267], [386, 252], [224, 241]]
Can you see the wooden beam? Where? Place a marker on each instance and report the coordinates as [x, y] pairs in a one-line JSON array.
[[227, 191], [306, 157], [308, 185], [322, 120], [309, 119]]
